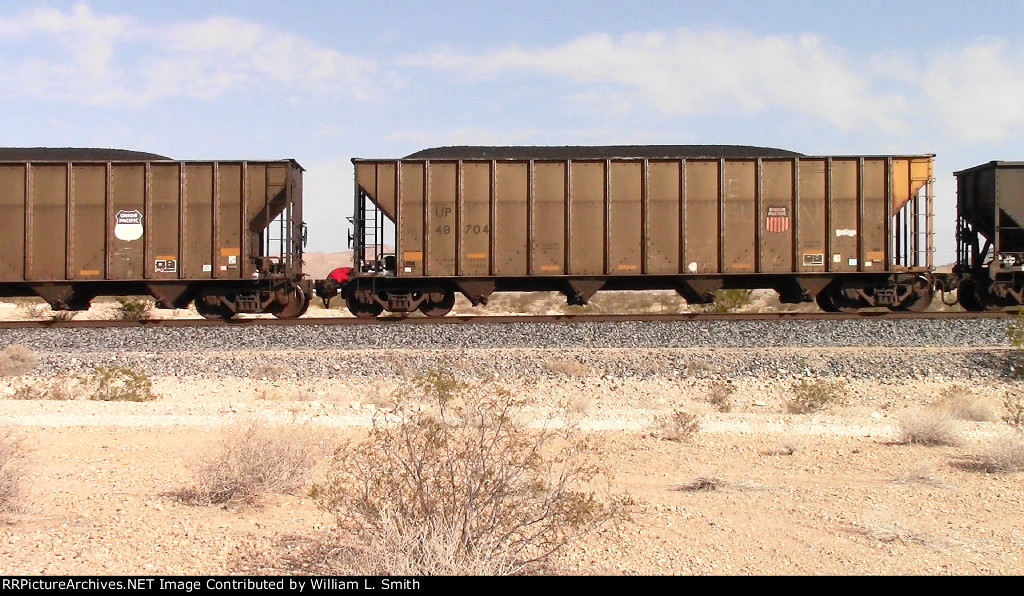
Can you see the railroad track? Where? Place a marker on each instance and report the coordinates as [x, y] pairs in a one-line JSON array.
[[499, 319]]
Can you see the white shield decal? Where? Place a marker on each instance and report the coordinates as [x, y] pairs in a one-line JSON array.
[[128, 225]]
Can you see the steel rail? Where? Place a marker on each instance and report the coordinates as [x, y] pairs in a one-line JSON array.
[[502, 319]]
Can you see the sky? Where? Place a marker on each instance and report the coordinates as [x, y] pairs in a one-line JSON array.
[[323, 82]]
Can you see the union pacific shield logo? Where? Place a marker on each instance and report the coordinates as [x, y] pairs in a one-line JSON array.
[[128, 225], [777, 220]]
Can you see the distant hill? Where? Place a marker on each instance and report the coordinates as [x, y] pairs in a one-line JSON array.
[[318, 264]]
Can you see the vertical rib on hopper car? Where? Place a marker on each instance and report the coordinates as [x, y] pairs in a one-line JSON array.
[[847, 231], [225, 234]]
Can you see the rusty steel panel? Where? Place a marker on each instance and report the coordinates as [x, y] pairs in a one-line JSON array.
[[874, 190], [228, 231], [812, 214], [701, 213], [662, 231], [442, 224], [548, 219], [378, 181], [909, 175], [87, 232], [474, 231], [739, 216], [587, 217], [165, 209], [47, 222], [776, 218], [12, 224], [197, 221], [625, 218], [386, 181], [125, 227], [511, 238], [844, 220], [411, 219], [257, 208]]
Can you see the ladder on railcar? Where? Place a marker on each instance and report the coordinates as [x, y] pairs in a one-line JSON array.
[[367, 237], [913, 233]]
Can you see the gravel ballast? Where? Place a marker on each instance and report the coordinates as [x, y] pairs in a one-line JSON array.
[[865, 332], [862, 348]]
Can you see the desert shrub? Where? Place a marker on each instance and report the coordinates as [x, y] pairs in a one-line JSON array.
[[728, 301], [1014, 405], [34, 310], [812, 395], [569, 368], [961, 404], [703, 484], [11, 471], [60, 389], [885, 529], [1003, 454], [16, 359], [451, 482], [251, 461], [922, 473], [133, 308], [1015, 330], [789, 443], [268, 371], [929, 426], [581, 404], [680, 426], [118, 383], [719, 395]]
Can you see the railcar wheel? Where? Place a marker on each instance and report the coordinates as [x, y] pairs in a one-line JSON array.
[[363, 310], [439, 308], [967, 297], [973, 299], [832, 297], [296, 306], [919, 299], [212, 311], [825, 302]]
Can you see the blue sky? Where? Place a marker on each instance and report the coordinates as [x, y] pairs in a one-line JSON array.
[[323, 82]]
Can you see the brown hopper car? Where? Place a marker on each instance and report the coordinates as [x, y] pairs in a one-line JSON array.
[[990, 236], [847, 231], [82, 223]]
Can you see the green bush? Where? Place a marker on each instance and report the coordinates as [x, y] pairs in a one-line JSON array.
[[813, 395], [728, 301], [133, 308], [118, 383]]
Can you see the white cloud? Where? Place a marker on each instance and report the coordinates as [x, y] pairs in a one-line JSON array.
[[977, 91], [80, 56], [690, 72]]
